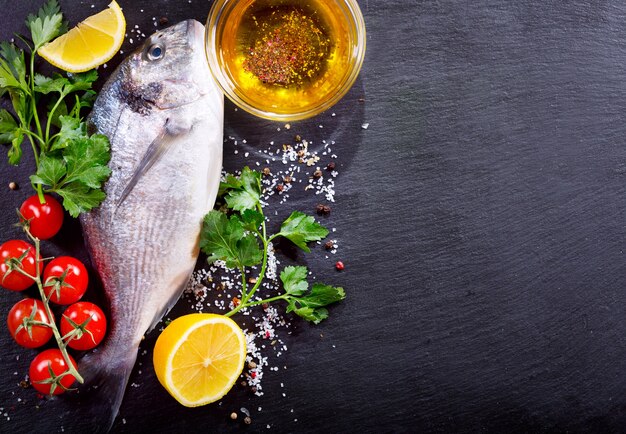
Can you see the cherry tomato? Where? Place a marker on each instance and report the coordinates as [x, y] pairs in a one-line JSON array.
[[16, 281], [19, 321], [45, 218], [89, 335], [66, 289], [39, 372]]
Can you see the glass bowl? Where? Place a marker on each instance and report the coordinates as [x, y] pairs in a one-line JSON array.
[[233, 33]]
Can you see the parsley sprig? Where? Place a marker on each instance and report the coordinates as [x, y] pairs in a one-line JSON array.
[[238, 236], [70, 162]]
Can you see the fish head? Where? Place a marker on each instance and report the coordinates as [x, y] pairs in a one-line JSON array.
[[169, 70]]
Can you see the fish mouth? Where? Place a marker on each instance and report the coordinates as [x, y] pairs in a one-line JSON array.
[[195, 32]]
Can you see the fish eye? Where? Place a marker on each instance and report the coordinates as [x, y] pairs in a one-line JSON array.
[[155, 52]]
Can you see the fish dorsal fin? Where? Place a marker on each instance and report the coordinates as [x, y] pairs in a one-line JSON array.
[[156, 150]]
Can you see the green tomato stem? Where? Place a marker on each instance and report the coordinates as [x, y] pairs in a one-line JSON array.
[[55, 330]]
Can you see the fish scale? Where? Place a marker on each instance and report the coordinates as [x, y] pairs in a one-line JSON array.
[[164, 118]]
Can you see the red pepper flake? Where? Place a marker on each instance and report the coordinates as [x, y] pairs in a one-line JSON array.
[[253, 374], [267, 334], [236, 301], [339, 266]]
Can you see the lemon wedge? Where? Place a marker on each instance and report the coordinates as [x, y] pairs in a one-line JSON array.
[[198, 357], [91, 43]]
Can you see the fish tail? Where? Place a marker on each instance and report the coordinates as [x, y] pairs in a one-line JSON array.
[[106, 377]]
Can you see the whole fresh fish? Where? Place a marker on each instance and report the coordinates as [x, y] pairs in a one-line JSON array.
[[164, 117]]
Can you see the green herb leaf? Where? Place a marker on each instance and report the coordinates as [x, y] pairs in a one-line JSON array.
[[81, 81], [86, 100], [294, 280], [78, 198], [46, 25], [46, 85], [230, 182], [300, 229], [248, 194], [72, 129], [12, 67], [308, 313], [251, 220], [15, 152], [248, 251], [323, 295], [86, 160], [76, 173], [224, 239], [50, 171], [8, 127], [311, 306]]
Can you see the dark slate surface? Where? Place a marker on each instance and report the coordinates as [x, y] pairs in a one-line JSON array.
[[481, 219]]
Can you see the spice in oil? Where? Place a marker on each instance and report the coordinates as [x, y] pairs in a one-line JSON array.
[[284, 55], [290, 48]]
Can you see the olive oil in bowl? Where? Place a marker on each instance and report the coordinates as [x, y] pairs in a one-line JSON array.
[[285, 60]]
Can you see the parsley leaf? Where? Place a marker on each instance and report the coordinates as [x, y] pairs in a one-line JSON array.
[[301, 229], [243, 193], [71, 129], [311, 306], [50, 172], [229, 182], [76, 172], [15, 152], [224, 239], [249, 252], [251, 220], [294, 280], [86, 160], [46, 85], [7, 127], [78, 198], [46, 25], [12, 67]]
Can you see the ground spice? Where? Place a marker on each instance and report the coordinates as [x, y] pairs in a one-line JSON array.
[[291, 47]]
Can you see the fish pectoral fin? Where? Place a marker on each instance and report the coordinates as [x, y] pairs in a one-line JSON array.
[[157, 149]]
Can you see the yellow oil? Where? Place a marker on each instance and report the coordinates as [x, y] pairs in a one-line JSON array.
[[264, 77]]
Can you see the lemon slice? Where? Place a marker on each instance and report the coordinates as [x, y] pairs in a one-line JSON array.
[[91, 43], [198, 357]]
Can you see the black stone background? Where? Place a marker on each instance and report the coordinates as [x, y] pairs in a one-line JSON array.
[[480, 217]]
